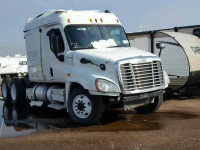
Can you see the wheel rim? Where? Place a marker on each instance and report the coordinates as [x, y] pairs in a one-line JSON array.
[[13, 92], [4, 90], [82, 106]]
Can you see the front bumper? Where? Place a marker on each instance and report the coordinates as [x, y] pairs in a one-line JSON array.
[[133, 101], [130, 98]]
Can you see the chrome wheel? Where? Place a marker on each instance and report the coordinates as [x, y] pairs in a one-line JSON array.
[[82, 106]]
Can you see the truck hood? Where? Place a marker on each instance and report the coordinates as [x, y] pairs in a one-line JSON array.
[[110, 55]]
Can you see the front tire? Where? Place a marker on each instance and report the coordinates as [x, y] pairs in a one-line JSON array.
[[84, 108], [151, 107]]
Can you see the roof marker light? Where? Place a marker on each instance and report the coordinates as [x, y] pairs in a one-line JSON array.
[[90, 20], [101, 20], [117, 20], [68, 20], [95, 20]]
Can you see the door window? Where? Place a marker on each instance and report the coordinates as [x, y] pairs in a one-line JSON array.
[[56, 41]]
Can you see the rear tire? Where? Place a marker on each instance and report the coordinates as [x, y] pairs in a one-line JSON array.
[[7, 113], [84, 108], [17, 91], [152, 107], [5, 89]]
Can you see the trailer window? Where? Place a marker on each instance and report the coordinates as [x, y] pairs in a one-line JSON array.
[[22, 63], [196, 32], [56, 41]]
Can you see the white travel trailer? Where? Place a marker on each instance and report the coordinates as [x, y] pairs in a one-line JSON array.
[[82, 61], [180, 56], [13, 66], [194, 30]]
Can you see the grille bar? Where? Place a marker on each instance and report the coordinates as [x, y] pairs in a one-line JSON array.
[[142, 76]]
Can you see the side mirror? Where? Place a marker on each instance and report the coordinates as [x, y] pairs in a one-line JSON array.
[[85, 61], [160, 45]]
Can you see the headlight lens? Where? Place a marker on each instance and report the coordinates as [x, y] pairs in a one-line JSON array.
[[106, 86]]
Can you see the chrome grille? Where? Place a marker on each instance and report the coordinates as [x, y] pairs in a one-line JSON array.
[[141, 76]]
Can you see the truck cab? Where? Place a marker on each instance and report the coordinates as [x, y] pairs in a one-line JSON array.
[[82, 61]]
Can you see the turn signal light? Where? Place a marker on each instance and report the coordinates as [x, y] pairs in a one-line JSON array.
[[68, 20]]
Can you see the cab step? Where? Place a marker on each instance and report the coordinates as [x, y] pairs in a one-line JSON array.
[[57, 106]]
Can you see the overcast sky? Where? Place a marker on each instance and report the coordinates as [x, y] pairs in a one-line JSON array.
[[154, 14]]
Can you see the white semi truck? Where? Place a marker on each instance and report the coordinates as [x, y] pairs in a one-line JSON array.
[[82, 61]]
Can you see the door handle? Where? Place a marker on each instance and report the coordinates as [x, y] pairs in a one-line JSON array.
[[51, 71]]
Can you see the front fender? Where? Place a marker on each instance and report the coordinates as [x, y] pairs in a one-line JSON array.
[[86, 75]]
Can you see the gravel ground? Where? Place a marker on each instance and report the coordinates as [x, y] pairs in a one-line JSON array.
[[175, 126]]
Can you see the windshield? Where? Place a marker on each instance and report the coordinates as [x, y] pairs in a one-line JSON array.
[[96, 36]]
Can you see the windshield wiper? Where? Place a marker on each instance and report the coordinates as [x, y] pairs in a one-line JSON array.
[[89, 47], [115, 46]]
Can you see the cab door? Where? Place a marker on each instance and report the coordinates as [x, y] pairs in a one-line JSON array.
[[56, 46]]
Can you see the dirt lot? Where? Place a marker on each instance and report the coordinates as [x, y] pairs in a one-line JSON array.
[[175, 126]]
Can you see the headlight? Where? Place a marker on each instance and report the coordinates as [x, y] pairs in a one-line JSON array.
[[166, 77], [106, 86]]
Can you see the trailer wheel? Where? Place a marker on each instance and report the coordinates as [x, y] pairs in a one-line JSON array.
[[17, 93], [5, 89], [152, 107], [84, 108]]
